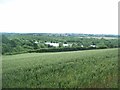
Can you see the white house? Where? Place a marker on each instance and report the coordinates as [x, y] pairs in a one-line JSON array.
[[52, 44], [81, 45], [65, 45], [36, 42], [57, 44], [93, 45]]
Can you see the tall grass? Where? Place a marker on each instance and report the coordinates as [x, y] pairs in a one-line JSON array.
[[79, 69]]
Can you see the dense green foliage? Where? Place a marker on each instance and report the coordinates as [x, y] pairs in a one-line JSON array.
[[13, 43], [82, 69]]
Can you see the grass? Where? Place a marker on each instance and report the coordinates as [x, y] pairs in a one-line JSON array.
[[79, 69]]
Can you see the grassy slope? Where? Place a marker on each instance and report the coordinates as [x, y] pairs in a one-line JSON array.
[[92, 68]]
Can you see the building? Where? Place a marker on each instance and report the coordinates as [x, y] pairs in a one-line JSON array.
[[52, 44], [65, 45], [93, 45]]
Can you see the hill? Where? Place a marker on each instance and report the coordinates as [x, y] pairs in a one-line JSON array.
[[79, 69]]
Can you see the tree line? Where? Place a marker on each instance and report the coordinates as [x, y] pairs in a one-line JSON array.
[[17, 43]]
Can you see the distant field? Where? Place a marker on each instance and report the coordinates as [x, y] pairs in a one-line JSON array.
[[102, 37], [80, 69]]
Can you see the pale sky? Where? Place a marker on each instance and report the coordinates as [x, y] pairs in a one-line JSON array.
[[59, 16]]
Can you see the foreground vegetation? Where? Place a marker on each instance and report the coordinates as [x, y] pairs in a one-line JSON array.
[[79, 69]]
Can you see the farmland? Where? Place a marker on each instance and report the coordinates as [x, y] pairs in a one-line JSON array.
[[79, 69]]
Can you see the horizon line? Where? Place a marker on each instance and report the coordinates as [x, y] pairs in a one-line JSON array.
[[60, 33]]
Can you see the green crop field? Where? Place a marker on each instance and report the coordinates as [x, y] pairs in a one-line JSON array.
[[79, 69]]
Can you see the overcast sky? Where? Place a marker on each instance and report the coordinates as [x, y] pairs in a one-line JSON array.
[[59, 16]]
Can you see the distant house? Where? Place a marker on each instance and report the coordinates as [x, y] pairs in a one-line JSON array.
[[57, 44], [93, 45], [52, 44], [82, 46], [36, 42], [65, 45]]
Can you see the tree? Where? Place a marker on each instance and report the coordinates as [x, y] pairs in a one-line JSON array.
[[60, 44], [35, 46], [74, 45], [102, 45]]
